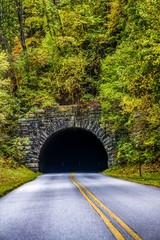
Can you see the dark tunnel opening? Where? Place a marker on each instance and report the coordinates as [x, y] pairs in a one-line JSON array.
[[72, 149]]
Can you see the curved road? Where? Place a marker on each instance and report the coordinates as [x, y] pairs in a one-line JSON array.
[[53, 208]]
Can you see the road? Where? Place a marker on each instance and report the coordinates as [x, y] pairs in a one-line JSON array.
[[87, 206]]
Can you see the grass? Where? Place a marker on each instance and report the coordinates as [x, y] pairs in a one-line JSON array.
[[12, 176], [150, 173]]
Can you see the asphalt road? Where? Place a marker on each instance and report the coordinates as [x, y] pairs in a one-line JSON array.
[[53, 208]]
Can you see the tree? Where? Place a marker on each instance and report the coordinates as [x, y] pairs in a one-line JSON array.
[[6, 99], [130, 89]]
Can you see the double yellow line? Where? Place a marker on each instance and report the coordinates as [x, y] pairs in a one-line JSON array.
[[97, 204]]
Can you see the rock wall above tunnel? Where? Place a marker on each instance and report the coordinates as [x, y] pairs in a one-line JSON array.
[[38, 127]]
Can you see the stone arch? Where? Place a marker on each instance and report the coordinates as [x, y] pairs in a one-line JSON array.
[[41, 131]]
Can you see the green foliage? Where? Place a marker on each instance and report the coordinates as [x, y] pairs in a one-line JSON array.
[[130, 88], [14, 148], [6, 98], [74, 52]]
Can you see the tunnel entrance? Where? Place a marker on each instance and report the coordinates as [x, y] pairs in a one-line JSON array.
[[72, 149]]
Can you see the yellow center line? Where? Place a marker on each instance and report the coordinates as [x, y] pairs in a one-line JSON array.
[[107, 222], [112, 214]]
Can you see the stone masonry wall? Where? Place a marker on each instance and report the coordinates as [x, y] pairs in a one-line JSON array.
[[42, 124]]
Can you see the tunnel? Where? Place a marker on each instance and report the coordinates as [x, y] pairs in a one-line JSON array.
[[72, 149]]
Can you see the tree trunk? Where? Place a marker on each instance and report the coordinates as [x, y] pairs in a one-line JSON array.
[[21, 25], [2, 30], [140, 169]]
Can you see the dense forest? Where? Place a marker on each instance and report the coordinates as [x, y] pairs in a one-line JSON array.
[[76, 51]]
